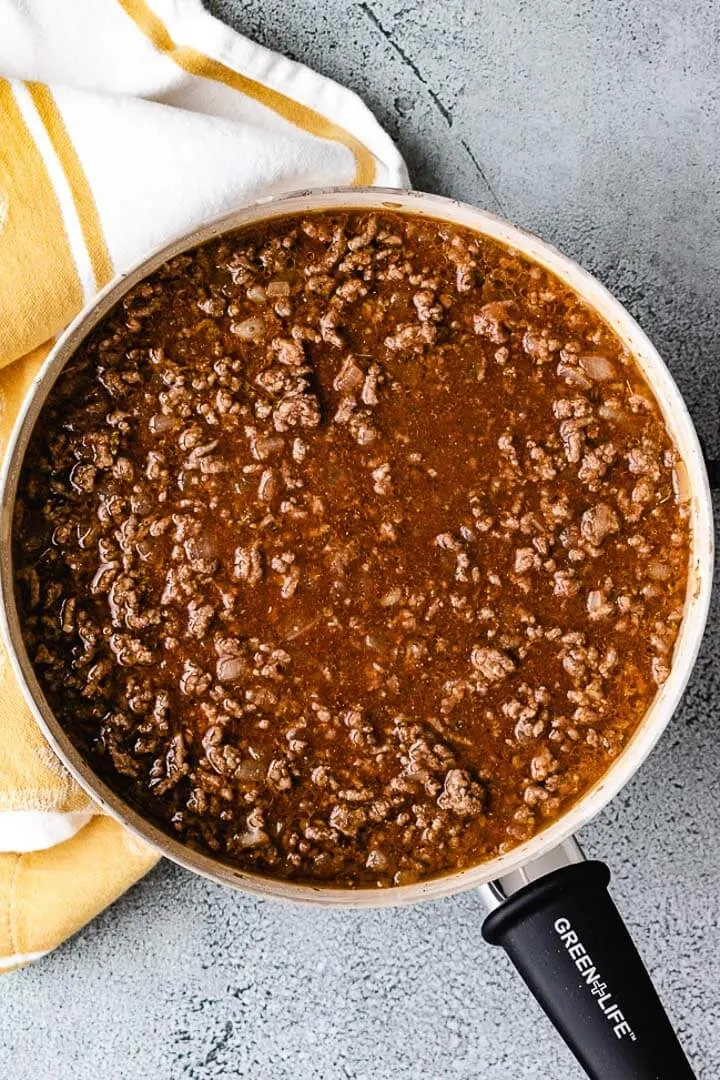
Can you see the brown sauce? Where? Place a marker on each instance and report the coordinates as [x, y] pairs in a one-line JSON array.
[[348, 548]]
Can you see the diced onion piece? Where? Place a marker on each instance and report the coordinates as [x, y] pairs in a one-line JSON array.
[[595, 601], [249, 329], [252, 838], [597, 367], [681, 482]]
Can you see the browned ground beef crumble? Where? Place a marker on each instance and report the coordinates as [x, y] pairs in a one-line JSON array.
[[349, 547]]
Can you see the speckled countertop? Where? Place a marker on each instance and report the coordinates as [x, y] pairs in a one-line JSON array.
[[596, 125]]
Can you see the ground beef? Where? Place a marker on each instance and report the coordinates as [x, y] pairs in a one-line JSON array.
[[347, 548]]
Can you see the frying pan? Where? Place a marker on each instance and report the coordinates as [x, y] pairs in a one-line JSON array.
[[552, 911]]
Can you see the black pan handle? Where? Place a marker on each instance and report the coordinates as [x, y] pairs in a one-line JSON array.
[[566, 938]]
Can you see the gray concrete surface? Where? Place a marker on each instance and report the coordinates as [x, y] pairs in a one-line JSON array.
[[597, 125]]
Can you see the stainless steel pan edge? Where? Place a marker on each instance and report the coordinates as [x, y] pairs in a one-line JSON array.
[[697, 604]]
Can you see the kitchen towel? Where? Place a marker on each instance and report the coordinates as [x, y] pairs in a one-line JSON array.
[[124, 123]]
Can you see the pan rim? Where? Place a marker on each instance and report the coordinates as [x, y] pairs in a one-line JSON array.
[[697, 604]]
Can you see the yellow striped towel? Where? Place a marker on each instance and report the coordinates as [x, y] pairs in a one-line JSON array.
[[122, 124]]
